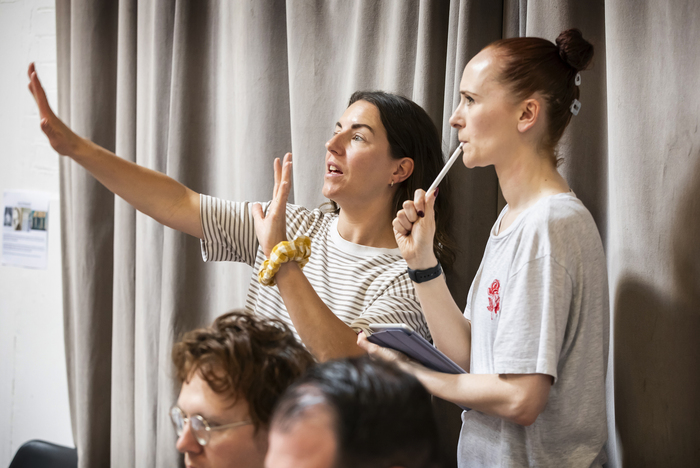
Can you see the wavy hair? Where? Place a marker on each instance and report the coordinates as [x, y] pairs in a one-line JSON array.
[[244, 356]]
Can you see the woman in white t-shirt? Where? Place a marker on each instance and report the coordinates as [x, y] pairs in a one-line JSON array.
[[383, 148], [534, 335]]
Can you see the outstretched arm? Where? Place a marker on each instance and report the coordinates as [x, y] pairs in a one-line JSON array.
[[326, 336], [151, 192]]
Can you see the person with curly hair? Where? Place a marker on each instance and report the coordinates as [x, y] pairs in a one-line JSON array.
[[232, 373]]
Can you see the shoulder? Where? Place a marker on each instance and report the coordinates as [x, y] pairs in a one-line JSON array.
[[560, 216], [303, 221], [561, 226]]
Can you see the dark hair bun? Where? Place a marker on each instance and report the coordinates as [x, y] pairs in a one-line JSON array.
[[574, 49]]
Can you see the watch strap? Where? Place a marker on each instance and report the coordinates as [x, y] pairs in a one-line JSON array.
[[421, 276]]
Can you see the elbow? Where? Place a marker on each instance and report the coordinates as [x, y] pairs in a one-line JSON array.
[[524, 410]]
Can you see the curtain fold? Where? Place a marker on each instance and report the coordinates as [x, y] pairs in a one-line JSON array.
[[210, 92]]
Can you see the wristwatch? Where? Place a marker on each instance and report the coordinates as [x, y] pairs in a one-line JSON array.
[[421, 276]]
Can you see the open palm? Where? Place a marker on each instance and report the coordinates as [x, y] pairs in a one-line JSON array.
[[271, 228], [61, 138]]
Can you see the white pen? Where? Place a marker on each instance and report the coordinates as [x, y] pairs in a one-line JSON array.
[[444, 170]]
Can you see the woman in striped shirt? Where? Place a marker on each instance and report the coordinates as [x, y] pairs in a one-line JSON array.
[[384, 147]]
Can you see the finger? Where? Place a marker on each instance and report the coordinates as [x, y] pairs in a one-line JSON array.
[[287, 168], [403, 220], [257, 210], [283, 195], [430, 204], [40, 96], [411, 213], [277, 174], [419, 200], [365, 344], [398, 227], [376, 351]]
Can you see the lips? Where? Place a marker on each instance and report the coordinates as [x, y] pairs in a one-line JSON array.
[[333, 169]]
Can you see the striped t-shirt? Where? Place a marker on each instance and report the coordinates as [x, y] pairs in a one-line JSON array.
[[360, 284]]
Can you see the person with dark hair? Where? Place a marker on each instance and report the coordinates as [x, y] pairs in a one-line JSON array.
[[232, 374], [354, 413], [535, 332], [383, 148]]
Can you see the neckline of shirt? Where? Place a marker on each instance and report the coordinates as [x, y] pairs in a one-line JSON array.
[[521, 216], [357, 249]]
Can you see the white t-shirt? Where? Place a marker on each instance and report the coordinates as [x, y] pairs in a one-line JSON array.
[[360, 284], [539, 304]]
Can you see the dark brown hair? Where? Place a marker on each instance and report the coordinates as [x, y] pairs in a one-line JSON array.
[[412, 134], [532, 64], [243, 356], [381, 415]]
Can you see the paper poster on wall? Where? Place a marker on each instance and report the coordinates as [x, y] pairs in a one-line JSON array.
[[25, 228]]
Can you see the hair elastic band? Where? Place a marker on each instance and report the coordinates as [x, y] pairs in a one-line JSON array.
[[297, 250], [575, 106], [577, 80]]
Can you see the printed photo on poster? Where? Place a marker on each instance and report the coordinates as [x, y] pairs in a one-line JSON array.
[[25, 228]]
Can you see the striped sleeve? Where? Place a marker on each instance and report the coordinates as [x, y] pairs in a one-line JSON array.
[[229, 230], [398, 304]]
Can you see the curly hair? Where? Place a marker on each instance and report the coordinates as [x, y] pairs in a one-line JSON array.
[[243, 356]]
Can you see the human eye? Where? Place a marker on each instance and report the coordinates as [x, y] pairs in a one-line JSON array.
[[469, 99], [358, 137]]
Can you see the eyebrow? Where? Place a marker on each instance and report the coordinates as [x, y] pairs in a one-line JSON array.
[[357, 125], [465, 92]]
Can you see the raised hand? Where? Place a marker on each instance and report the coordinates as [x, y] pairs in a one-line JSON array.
[[271, 228], [414, 230], [61, 138]]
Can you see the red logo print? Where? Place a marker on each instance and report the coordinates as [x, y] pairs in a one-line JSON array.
[[494, 299]]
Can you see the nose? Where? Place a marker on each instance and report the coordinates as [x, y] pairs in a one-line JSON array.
[[335, 144], [457, 119], [187, 442]]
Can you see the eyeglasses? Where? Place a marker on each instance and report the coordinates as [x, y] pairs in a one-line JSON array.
[[199, 426]]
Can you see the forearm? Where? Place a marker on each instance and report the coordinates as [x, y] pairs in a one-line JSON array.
[[451, 332], [323, 333], [151, 192], [518, 398]]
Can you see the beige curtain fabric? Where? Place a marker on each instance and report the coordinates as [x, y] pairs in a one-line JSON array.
[[211, 92]]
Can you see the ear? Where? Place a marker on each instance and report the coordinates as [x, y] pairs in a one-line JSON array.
[[529, 114], [403, 171]]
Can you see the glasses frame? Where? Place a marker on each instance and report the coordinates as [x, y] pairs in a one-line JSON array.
[[203, 435]]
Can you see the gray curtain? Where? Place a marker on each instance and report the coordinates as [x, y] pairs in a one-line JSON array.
[[211, 92]]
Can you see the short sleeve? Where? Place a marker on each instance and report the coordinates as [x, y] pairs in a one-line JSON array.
[[535, 310], [397, 304], [229, 230]]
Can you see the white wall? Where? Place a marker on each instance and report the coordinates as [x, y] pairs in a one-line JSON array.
[[33, 387]]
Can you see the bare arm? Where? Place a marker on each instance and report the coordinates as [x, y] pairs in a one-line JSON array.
[[326, 336], [414, 233], [451, 331], [151, 192], [518, 398]]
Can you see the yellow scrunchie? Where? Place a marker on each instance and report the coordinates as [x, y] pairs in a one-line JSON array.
[[297, 250]]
